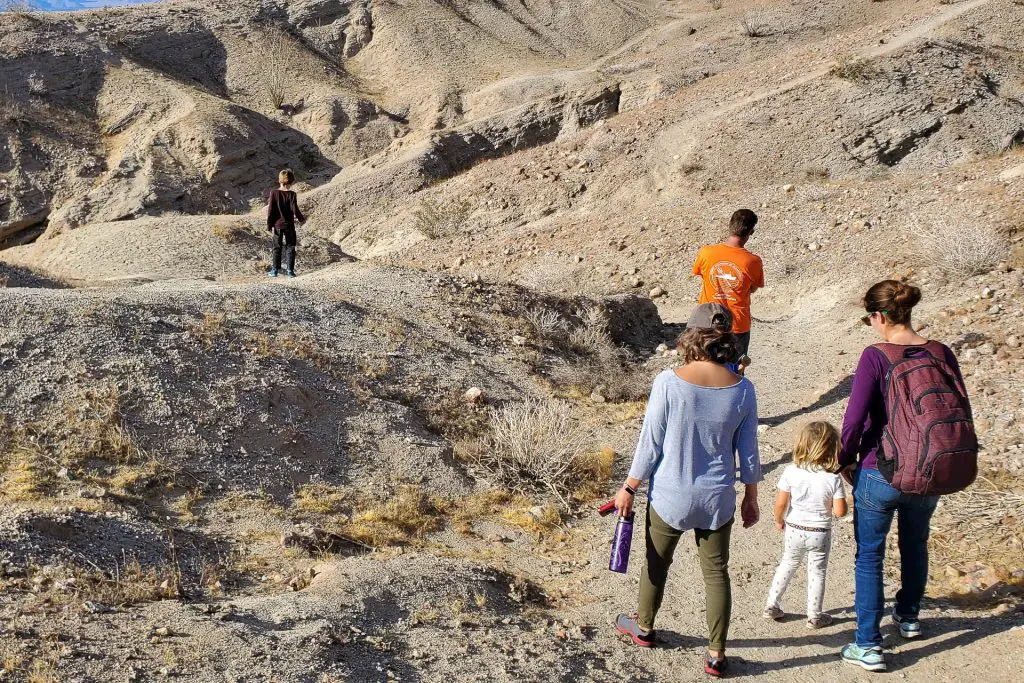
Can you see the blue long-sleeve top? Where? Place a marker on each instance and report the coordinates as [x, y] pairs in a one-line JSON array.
[[693, 441]]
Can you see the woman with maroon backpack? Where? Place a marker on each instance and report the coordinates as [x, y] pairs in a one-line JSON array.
[[907, 437]]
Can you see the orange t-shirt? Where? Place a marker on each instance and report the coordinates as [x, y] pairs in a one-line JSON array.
[[729, 275]]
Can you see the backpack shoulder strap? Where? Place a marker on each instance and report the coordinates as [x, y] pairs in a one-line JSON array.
[[892, 352]]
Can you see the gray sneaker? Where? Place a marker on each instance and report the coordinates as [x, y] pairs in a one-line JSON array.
[[773, 613], [908, 628], [870, 658]]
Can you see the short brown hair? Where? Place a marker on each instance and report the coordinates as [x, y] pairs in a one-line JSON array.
[[742, 223], [717, 344], [286, 177], [894, 299], [817, 447]]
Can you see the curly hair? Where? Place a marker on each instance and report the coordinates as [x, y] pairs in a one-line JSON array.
[[817, 447], [714, 344]]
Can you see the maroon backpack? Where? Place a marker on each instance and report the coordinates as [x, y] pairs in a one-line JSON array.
[[929, 446]]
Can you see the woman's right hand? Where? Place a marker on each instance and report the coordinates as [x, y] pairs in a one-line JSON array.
[[624, 502]]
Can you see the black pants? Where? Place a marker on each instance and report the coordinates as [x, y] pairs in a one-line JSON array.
[[744, 339], [284, 237]]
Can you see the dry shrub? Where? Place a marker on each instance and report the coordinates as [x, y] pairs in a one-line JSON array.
[[958, 247], [536, 443], [407, 516], [600, 366], [980, 528], [275, 58], [437, 218], [754, 25], [547, 324]]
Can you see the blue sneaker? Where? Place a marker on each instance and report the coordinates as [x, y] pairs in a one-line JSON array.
[[272, 273], [291, 273], [908, 628], [870, 658]]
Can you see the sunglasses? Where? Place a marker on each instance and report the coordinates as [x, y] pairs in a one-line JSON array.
[[866, 319]]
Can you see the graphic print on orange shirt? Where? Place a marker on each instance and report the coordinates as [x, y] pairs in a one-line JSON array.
[[729, 274]]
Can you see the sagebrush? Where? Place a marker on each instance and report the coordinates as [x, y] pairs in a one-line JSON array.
[[535, 444], [959, 247]]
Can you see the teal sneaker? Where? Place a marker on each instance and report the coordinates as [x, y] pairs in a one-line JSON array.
[[272, 273], [908, 628], [870, 658]]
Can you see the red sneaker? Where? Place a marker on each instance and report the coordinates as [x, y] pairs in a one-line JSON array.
[[628, 625]]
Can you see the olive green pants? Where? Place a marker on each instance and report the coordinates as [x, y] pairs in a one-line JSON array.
[[713, 550]]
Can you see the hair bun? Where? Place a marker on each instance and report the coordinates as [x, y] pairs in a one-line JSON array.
[[906, 296]]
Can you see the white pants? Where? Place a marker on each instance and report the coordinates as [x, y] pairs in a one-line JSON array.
[[815, 545]]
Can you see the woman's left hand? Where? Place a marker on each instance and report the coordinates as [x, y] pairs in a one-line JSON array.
[[624, 502]]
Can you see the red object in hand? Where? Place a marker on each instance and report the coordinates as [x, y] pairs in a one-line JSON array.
[[607, 508]]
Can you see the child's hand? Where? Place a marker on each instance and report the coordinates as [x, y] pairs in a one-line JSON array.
[[781, 526]]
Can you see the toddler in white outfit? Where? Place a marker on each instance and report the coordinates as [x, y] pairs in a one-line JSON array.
[[810, 492]]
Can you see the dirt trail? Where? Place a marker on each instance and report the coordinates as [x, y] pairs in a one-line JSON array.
[[677, 141], [800, 372]]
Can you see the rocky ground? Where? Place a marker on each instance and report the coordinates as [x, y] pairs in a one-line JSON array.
[[209, 475]]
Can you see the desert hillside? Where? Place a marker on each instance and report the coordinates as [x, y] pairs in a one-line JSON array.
[[387, 468]]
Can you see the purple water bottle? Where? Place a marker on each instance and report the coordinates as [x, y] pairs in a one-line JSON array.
[[620, 544]]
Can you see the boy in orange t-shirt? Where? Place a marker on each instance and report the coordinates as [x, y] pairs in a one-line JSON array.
[[731, 274]]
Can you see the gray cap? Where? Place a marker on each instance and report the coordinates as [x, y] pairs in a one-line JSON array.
[[706, 316]]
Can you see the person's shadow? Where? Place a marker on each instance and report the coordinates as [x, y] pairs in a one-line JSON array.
[[833, 395], [900, 654]]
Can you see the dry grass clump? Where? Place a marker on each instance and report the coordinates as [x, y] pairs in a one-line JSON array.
[[87, 439], [536, 445], [480, 506], [211, 329], [231, 233], [322, 498], [406, 517], [854, 69], [960, 248], [128, 585], [437, 218], [11, 110]]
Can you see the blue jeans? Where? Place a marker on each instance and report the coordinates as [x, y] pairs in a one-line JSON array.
[[875, 502]]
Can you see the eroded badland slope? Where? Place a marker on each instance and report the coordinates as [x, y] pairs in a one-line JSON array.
[[209, 475]]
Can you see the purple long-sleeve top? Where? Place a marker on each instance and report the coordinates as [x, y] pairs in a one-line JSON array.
[[865, 413]]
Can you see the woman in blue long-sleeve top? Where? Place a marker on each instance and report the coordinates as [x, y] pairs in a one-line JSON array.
[[701, 419]]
